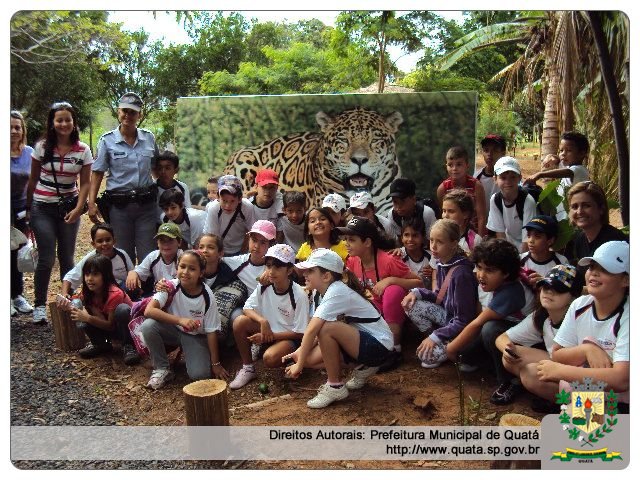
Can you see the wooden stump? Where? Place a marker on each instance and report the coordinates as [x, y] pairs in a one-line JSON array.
[[517, 420], [68, 336], [206, 403]]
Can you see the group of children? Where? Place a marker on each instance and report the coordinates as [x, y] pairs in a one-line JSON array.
[[237, 269]]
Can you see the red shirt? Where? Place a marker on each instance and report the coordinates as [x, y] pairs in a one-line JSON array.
[[115, 298], [386, 265]]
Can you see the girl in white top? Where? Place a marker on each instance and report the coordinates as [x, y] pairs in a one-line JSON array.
[[344, 322], [457, 205], [275, 316]]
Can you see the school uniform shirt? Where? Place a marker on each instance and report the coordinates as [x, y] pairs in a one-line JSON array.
[[469, 240], [339, 300], [66, 172], [581, 321], [191, 226], [428, 217], [278, 308], [154, 265], [416, 266], [179, 187], [271, 213], [580, 174], [115, 297], [121, 264], [487, 182], [387, 266], [508, 221], [527, 261], [217, 221], [293, 234], [305, 250], [512, 300], [525, 333], [201, 307], [249, 273]]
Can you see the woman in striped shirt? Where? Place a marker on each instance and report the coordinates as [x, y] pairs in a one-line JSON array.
[[54, 201]]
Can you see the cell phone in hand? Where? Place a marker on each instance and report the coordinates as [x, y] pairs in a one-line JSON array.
[[512, 353]]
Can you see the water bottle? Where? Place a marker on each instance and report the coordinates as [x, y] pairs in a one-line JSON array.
[[77, 303]]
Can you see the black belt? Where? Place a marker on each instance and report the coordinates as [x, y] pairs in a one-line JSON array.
[[139, 195]]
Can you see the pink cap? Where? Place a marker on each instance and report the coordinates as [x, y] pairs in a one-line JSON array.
[[264, 228], [267, 176]]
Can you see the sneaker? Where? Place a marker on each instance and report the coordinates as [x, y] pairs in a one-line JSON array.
[[542, 405], [20, 303], [244, 376], [13, 310], [255, 352], [40, 315], [467, 368], [130, 355], [505, 394], [393, 361], [159, 378], [92, 351], [436, 358], [360, 376], [327, 395]]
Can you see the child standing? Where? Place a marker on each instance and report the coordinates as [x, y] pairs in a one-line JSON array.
[[231, 216], [452, 305], [406, 206], [320, 232], [494, 147], [275, 316], [542, 231], [414, 252], [190, 220], [361, 205], [512, 207], [348, 328], [267, 203], [337, 206], [291, 229], [457, 163], [103, 240], [167, 167], [191, 322], [384, 275], [457, 205]]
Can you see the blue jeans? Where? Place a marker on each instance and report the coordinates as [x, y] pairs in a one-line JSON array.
[[134, 226], [17, 285], [51, 230]]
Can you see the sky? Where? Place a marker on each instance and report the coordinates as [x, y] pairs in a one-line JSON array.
[[164, 27]]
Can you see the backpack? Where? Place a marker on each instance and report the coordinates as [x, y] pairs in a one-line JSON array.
[[233, 219], [420, 204], [523, 192]]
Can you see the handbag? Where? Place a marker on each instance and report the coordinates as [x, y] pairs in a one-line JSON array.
[[28, 256], [66, 204]]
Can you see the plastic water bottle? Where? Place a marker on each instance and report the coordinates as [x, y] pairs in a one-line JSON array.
[[77, 303]]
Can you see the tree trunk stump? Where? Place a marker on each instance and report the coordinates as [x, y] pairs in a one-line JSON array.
[[67, 335], [206, 403]]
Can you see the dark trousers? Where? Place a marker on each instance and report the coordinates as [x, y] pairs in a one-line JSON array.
[[484, 348], [122, 316]]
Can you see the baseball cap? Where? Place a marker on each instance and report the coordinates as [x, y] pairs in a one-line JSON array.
[[229, 183], [506, 164], [282, 252], [360, 226], [130, 100], [335, 202], [402, 187], [264, 228], [267, 176], [325, 258], [360, 200], [563, 278], [545, 224], [169, 229], [612, 256], [494, 138]]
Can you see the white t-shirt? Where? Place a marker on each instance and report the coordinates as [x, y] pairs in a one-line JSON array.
[[416, 267], [278, 308], [217, 223], [179, 187], [202, 308], [574, 330], [580, 174], [249, 274], [272, 213], [341, 300], [192, 228], [488, 182], [508, 222], [527, 261], [121, 264], [153, 264], [525, 333], [293, 234], [428, 216], [475, 240], [386, 225]]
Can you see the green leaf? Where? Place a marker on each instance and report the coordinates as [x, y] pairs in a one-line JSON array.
[[566, 232], [564, 418], [563, 397]]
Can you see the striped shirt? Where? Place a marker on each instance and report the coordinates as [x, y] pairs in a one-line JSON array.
[[66, 172]]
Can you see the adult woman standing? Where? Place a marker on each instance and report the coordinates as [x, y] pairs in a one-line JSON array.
[[128, 153], [20, 169], [54, 202]]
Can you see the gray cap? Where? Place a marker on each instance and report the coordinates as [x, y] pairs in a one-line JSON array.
[[130, 100]]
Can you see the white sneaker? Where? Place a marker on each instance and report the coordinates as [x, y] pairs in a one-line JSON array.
[[244, 376], [159, 378], [13, 310], [40, 314], [327, 395], [20, 303], [360, 376], [436, 358]]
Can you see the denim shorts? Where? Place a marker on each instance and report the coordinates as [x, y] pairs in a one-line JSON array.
[[370, 352]]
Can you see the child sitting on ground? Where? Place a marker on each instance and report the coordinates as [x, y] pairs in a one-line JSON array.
[[414, 252], [361, 205], [457, 163], [103, 240], [167, 166], [405, 206], [275, 316], [542, 231], [190, 220], [191, 322], [345, 327], [320, 232], [452, 305], [457, 205], [494, 147], [291, 229]]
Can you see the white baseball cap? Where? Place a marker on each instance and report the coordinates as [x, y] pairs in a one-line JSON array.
[[282, 252], [325, 258], [506, 164], [335, 202], [612, 256], [360, 200]]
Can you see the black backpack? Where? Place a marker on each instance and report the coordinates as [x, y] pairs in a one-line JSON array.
[[420, 204], [523, 192]]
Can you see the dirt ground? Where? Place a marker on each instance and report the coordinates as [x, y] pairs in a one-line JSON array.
[[388, 399]]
